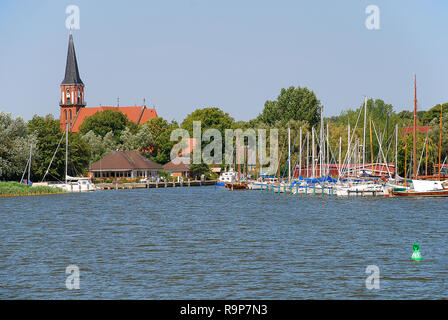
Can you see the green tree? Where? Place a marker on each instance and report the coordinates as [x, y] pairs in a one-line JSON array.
[[210, 118], [15, 144], [48, 133], [154, 139], [100, 146], [130, 140], [432, 116], [108, 120], [298, 104], [199, 169]]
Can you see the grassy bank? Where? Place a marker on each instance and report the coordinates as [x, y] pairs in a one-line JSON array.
[[10, 189]]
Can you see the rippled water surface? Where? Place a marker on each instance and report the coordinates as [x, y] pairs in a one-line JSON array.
[[201, 243]]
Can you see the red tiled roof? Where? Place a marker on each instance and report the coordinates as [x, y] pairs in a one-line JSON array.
[[179, 164], [408, 130], [148, 114], [138, 114]]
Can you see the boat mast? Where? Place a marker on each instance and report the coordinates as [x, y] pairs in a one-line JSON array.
[[260, 163], [322, 142], [396, 150], [340, 149], [312, 151], [300, 152], [355, 156], [415, 128], [405, 159], [328, 152], [66, 151], [238, 152], [29, 166], [440, 141], [348, 149], [289, 154], [364, 135], [371, 144], [308, 154], [426, 155]]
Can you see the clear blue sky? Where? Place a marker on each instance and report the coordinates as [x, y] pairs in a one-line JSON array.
[[182, 55]]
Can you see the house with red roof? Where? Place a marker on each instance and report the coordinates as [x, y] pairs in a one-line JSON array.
[[72, 103], [422, 129]]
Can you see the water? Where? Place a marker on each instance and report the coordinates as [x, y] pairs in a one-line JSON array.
[[198, 243]]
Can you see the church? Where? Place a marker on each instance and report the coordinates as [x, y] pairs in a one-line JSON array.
[[72, 103]]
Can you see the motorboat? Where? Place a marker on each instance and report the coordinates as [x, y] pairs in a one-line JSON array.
[[76, 184]]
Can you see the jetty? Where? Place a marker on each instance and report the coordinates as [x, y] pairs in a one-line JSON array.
[[150, 185]]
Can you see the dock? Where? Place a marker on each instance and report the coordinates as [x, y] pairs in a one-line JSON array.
[[149, 185]]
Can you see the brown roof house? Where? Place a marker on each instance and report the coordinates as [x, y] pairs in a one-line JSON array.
[[178, 167], [124, 164]]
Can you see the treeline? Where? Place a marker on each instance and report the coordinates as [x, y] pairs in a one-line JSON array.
[[295, 107]]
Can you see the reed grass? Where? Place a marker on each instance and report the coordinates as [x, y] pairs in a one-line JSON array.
[[9, 189]]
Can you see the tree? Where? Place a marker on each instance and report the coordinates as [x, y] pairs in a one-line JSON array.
[[48, 133], [99, 146], [210, 118], [130, 140], [432, 116], [154, 139], [199, 169], [103, 122], [15, 145], [292, 104]]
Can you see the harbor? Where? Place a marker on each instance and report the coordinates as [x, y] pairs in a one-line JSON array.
[[224, 158]]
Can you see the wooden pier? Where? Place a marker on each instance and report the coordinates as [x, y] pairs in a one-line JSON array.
[[149, 185]]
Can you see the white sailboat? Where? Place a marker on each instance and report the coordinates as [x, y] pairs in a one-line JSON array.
[[72, 184]]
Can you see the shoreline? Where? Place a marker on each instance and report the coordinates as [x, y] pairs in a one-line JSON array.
[[30, 195], [16, 189]]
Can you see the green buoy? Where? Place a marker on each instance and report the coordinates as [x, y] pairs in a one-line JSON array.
[[416, 255]]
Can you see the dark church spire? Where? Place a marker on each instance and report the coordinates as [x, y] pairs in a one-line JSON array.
[[71, 69]]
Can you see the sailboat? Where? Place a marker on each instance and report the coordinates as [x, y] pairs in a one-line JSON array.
[[28, 167], [72, 184], [424, 188], [240, 184]]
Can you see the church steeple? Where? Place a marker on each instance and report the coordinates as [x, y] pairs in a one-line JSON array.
[[72, 89], [71, 68]]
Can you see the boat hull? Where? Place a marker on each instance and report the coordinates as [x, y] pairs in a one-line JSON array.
[[437, 193], [237, 186]]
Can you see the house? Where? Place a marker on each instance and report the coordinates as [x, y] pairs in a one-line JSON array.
[[73, 106], [408, 130], [178, 167], [124, 164]]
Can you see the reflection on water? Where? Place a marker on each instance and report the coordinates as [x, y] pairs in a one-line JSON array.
[[198, 243]]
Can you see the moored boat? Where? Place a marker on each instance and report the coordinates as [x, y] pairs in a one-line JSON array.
[[424, 188], [242, 185]]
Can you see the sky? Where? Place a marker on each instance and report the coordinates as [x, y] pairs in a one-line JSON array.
[[235, 55]]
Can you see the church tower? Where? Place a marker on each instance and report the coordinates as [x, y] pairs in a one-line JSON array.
[[72, 90]]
